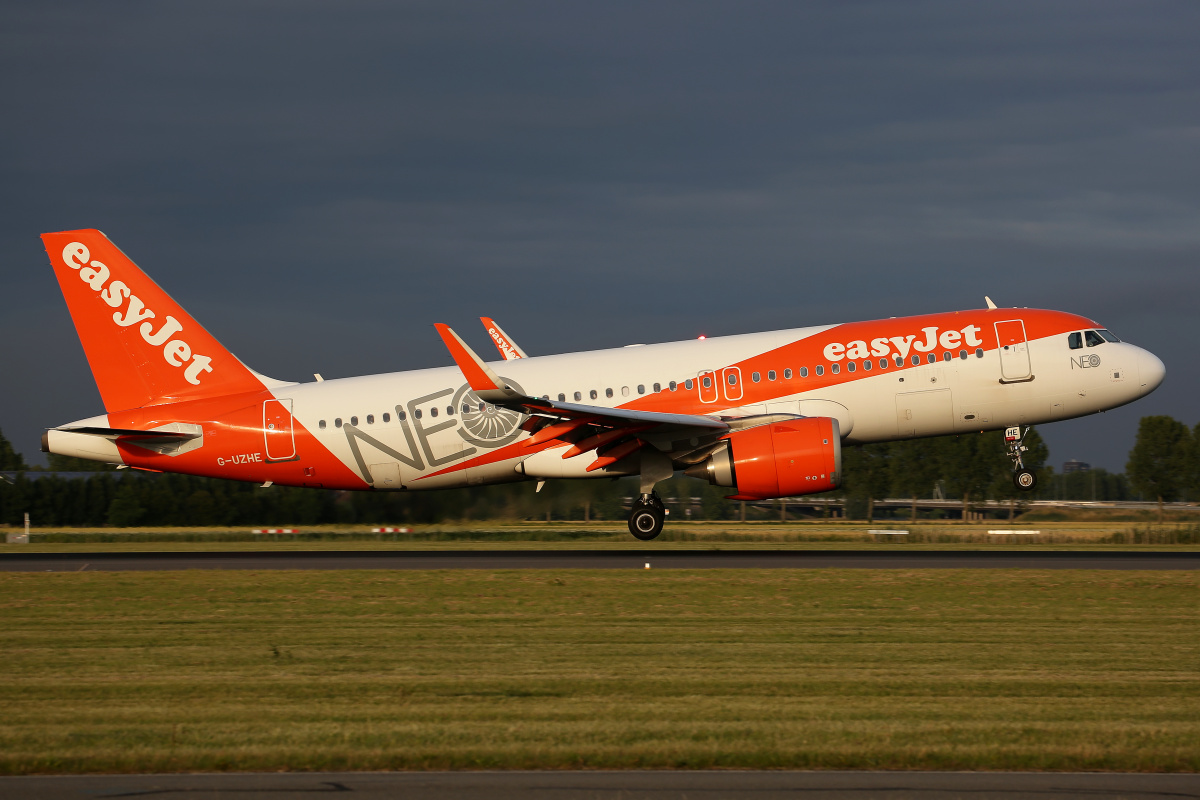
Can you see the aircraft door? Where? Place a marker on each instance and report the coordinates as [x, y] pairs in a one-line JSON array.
[[386, 476], [732, 381], [278, 435], [1014, 351], [706, 383]]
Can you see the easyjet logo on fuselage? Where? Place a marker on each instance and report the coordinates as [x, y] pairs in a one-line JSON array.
[[929, 338], [175, 351]]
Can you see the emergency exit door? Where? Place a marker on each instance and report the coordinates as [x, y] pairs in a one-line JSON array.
[[279, 437], [1014, 351]]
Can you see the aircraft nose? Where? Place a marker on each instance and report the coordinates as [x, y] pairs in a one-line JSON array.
[[1151, 370]]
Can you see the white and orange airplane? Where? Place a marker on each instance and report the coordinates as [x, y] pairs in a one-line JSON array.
[[764, 413]]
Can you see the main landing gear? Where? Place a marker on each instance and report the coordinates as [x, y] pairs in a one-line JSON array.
[[646, 518], [1024, 479]]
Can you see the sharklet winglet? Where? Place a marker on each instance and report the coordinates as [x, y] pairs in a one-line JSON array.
[[482, 380]]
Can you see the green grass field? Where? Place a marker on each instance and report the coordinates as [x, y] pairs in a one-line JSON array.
[[935, 669]]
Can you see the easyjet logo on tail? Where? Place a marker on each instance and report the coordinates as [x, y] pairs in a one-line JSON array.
[[132, 311], [503, 345]]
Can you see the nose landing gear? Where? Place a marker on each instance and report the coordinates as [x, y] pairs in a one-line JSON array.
[[1024, 479], [646, 518]]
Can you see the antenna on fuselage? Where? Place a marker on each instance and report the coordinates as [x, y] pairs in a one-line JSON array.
[[989, 301]]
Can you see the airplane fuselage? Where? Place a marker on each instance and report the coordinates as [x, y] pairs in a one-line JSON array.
[[882, 380]]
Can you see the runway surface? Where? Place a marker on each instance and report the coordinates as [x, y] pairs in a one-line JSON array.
[[600, 785], [601, 559]]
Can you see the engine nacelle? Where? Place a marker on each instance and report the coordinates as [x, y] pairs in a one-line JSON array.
[[783, 459]]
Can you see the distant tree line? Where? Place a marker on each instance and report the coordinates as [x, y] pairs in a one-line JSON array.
[[1164, 465]]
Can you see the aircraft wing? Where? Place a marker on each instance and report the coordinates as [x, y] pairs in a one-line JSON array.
[[509, 349], [612, 432]]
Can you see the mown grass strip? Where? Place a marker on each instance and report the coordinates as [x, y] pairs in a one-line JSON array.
[[971, 669]]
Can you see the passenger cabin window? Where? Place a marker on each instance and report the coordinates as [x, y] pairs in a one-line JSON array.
[[867, 366], [916, 360], [608, 392], [931, 358], [1091, 338], [642, 388], [899, 361], [337, 423], [624, 391], [707, 383], [417, 413], [962, 354], [947, 356], [804, 372], [787, 374], [401, 414], [387, 417], [578, 397], [466, 409], [835, 369], [883, 363], [672, 385], [687, 384], [851, 366], [562, 398], [732, 378], [354, 420], [321, 424], [370, 419], [450, 411], [593, 394], [979, 352], [820, 370], [754, 376], [433, 411]]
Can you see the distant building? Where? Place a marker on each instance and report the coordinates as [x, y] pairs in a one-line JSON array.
[[1075, 466]]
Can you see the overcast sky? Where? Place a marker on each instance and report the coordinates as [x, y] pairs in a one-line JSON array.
[[318, 183]]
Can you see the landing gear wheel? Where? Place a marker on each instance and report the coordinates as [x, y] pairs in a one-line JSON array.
[[1025, 479], [646, 522]]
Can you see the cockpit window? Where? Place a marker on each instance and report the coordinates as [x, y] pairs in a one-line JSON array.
[[1075, 340], [1092, 338], [1108, 337]]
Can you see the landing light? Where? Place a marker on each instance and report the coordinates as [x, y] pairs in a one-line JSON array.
[[702, 336]]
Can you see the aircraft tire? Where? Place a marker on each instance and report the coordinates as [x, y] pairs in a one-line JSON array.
[[646, 522], [1025, 480]]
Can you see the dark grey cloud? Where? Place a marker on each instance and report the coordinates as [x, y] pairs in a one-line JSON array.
[[318, 183]]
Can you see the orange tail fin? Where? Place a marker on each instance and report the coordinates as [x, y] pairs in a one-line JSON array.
[[143, 348]]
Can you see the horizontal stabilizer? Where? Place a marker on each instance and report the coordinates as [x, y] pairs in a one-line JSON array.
[[113, 433]]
